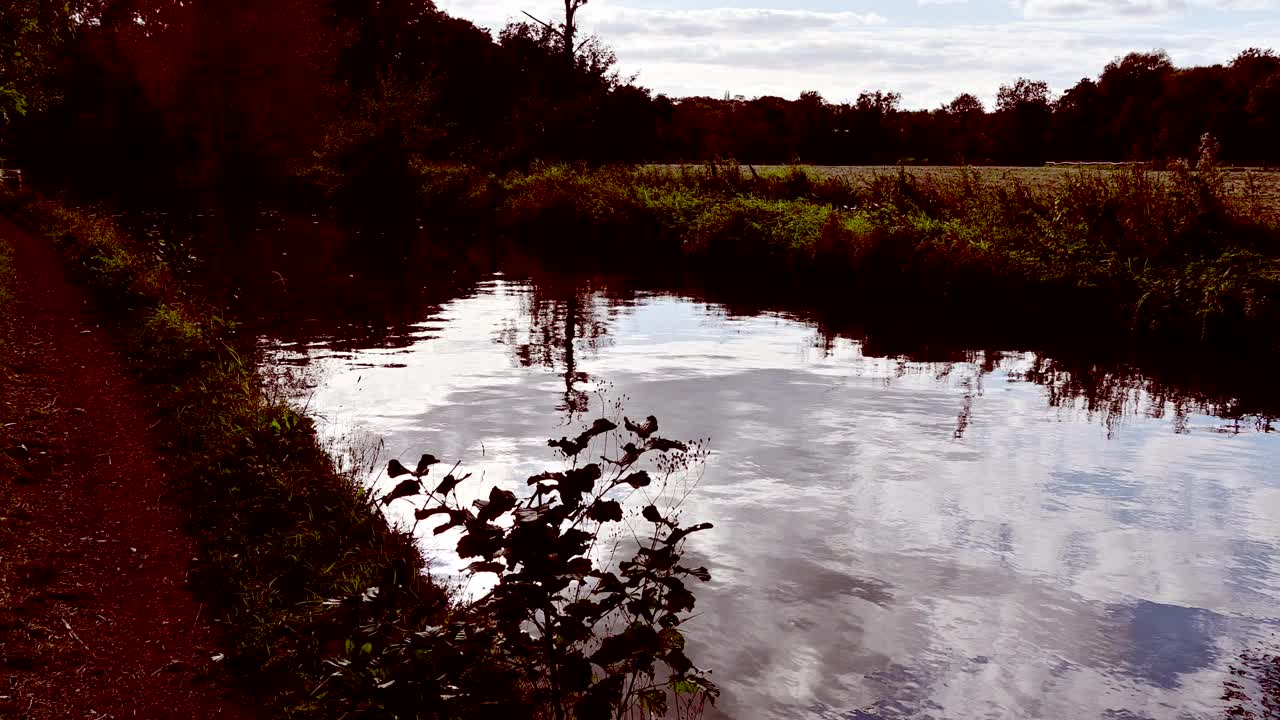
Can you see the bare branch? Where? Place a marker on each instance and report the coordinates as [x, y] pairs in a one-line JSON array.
[[545, 24]]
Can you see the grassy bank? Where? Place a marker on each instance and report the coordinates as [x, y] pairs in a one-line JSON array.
[[324, 603], [281, 529], [1180, 255]]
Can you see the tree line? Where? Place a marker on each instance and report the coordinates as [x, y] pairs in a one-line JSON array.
[[168, 98]]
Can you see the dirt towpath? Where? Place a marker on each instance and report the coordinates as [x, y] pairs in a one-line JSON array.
[[96, 620]]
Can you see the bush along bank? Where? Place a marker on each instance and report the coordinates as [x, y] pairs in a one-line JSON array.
[[1169, 255], [324, 602]]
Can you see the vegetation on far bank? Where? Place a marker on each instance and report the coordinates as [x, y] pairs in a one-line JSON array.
[[326, 607], [1258, 185], [1175, 255], [384, 110]]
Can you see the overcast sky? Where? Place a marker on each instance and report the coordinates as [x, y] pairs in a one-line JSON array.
[[928, 50]]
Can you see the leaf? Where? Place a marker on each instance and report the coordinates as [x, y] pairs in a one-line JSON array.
[[576, 482], [672, 639], [677, 598], [530, 514], [630, 454], [649, 427], [699, 572], [493, 567], [655, 701], [578, 444], [449, 482], [678, 662], [424, 513], [609, 583], [456, 518], [395, 469], [480, 541], [678, 535], [578, 566], [605, 511], [583, 478], [599, 427], [425, 463], [642, 606], [500, 501], [637, 640], [651, 514], [573, 542], [663, 445], [546, 476], [661, 559], [685, 686], [406, 488], [582, 609], [567, 446], [637, 479]]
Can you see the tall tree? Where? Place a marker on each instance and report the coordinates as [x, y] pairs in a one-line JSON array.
[[964, 120], [1023, 117], [567, 32], [1131, 88]]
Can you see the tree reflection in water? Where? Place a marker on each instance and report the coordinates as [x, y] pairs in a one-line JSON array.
[[1106, 391], [560, 317]]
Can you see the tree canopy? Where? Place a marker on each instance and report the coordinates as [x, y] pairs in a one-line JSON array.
[[245, 96]]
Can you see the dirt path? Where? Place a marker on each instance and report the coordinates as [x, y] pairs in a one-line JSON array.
[[96, 620]]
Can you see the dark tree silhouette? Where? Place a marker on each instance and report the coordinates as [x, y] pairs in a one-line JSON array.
[[226, 103]]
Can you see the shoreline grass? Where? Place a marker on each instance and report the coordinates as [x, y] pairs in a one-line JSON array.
[[281, 530], [1176, 256]]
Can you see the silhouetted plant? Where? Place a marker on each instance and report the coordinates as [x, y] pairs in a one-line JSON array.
[[564, 632]]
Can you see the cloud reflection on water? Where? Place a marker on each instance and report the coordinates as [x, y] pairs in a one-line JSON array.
[[893, 538]]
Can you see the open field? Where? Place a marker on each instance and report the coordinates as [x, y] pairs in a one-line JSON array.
[[1265, 184]]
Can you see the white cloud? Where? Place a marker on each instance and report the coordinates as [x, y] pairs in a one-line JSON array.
[[619, 20], [1040, 9], [1036, 9], [760, 51]]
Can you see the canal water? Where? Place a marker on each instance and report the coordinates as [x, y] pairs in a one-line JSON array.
[[979, 533]]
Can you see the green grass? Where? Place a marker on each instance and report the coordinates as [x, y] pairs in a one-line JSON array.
[[1191, 257], [281, 529]]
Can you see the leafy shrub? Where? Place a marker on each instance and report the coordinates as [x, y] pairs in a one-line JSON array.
[[281, 528], [563, 630]]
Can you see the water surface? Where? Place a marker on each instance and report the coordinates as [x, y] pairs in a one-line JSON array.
[[990, 534]]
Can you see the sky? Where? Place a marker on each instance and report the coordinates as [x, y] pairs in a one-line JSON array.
[[927, 50]]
